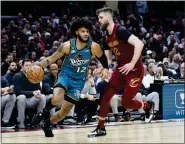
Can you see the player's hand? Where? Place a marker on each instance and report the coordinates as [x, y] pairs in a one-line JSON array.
[[126, 68], [105, 73]]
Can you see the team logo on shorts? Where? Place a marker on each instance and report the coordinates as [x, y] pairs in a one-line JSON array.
[[134, 82], [77, 94]]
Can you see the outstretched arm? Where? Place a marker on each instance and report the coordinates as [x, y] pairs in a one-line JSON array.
[[62, 50]]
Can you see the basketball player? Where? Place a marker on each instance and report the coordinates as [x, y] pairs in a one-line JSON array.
[[77, 52], [129, 71]]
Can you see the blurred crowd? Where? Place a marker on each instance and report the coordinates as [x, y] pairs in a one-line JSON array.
[[28, 38]]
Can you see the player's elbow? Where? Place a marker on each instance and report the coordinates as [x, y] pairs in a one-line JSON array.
[[139, 44], [135, 41], [142, 44]]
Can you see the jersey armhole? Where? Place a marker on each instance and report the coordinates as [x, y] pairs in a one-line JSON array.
[[128, 34], [117, 32], [90, 45]]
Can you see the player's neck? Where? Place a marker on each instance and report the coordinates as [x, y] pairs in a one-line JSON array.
[[80, 45], [110, 28]]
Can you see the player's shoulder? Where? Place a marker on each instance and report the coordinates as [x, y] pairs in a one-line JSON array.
[[66, 47], [66, 44], [121, 28], [94, 45]]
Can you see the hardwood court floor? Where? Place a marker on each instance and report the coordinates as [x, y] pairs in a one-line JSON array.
[[168, 132]]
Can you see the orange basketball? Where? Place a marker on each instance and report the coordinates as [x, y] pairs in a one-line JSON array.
[[35, 75]]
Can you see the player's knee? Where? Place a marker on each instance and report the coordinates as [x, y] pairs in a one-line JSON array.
[[55, 101], [58, 95]]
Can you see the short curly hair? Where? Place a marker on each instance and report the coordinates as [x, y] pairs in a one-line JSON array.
[[79, 23]]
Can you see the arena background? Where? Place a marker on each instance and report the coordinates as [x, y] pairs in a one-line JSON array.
[[156, 15]]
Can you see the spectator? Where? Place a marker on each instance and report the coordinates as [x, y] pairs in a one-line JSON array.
[[165, 52], [28, 94], [175, 63], [48, 84], [167, 69], [181, 74], [170, 56], [20, 19], [33, 56], [5, 65], [59, 63], [54, 20], [14, 54], [154, 97], [8, 99], [47, 40], [87, 101], [159, 73], [11, 72], [171, 39], [38, 50], [26, 29], [149, 77], [46, 53], [54, 47]]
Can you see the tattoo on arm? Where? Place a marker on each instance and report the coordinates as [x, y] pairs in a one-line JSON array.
[[44, 63], [69, 107], [60, 48], [56, 55]]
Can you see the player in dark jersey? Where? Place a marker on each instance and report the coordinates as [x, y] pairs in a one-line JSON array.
[[129, 71], [77, 52]]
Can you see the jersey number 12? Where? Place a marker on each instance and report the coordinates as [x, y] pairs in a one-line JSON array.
[[81, 69]]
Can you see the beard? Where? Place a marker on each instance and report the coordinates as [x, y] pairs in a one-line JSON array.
[[104, 26], [13, 71], [81, 39]]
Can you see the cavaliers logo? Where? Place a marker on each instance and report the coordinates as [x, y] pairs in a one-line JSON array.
[[134, 82]]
